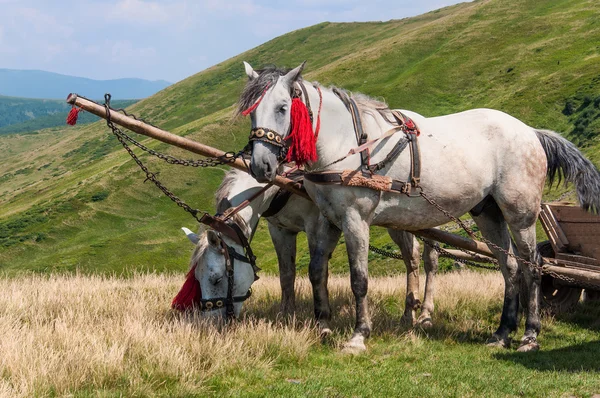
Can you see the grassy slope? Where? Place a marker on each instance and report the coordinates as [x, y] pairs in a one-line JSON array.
[[523, 57]]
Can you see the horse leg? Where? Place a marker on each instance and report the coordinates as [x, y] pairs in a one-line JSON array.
[[430, 260], [285, 247], [322, 240], [356, 233], [409, 247], [526, 244], [492, 225]]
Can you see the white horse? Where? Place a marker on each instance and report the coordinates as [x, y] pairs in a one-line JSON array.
[[472, 158], [297, 215]]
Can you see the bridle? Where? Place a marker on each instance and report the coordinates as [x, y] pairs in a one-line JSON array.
[[272, 137], [228, 227]]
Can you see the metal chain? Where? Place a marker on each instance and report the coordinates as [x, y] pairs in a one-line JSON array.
[[470, 232], [563, 196], [149, 175], [227, 158], [152, 176], [451, 256], [385, 253]]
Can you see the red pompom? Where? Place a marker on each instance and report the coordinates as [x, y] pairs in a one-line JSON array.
[[190, 294], [303, 142], [72, 117]]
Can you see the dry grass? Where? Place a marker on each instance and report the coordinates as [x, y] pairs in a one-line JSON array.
[[66, 334]]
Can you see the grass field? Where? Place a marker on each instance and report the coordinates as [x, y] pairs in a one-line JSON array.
[[106, 336]]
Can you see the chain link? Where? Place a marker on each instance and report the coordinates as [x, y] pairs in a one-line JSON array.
[[469, 231], [386, 253], [150, 176], [447, 254]]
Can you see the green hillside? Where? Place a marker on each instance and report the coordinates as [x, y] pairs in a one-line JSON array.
[[70, 199]]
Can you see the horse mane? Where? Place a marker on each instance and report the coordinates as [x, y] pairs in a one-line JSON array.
[[254, 88], [366, 105], [222, 194], [199, 249]]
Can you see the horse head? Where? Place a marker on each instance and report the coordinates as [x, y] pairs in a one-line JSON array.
[[281, 126], [210, 276]]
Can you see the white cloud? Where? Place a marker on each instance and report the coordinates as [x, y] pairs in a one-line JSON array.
[[140, 12], [124, 52], [43, 23]]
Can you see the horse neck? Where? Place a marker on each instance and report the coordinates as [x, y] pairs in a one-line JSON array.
[[243, 188], [337, 135]]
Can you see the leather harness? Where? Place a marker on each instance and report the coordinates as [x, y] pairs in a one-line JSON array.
[[366, 176]]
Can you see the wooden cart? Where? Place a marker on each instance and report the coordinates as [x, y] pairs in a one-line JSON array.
[[572, 252]]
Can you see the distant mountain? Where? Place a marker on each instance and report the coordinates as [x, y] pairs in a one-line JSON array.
[[48, 85], [18, 115]]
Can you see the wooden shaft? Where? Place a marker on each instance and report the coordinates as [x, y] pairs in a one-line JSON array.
[[579, 275], [455, 240], [468, 256], [140, 127]]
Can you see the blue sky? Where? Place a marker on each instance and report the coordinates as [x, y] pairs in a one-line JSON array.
[[170, 39]]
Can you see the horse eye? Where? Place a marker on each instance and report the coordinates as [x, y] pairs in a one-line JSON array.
[[282, 109], [218, 280]]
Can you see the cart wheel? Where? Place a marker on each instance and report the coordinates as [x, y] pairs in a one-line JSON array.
[[591, 296], [545, 249], [558, 298]]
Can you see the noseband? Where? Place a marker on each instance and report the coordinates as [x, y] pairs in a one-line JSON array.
[[272, 137], [233, 231]]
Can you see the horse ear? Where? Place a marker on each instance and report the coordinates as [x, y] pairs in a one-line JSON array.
[[194, 238], [250, 72], [293, 75], [213, 238]]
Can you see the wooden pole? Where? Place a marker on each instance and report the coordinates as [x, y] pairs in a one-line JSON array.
[[468, 256], [142, 128], [579, 275], [455, 240]]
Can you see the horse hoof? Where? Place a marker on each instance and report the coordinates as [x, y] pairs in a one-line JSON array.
[[408, 320], [355, 346], [497, 342], [325, 333], [529, 347], [425, 322]]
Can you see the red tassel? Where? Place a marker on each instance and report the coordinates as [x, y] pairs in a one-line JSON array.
[[73, 114], [303, 146], [190, 293]]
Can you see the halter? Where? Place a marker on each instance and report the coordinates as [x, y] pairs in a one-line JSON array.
[[223, 226], [272, 137]]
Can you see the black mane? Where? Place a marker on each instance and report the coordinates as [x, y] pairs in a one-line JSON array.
[[255, 87]]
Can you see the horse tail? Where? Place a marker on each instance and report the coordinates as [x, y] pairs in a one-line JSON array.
[[566, 161]]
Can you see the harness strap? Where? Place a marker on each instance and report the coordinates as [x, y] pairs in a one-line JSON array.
[[279, 201], [306, 100], [361, 136], [412, 132], [227, 214], [229, 269], [360, 178], [415, 156], [221, 226]]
